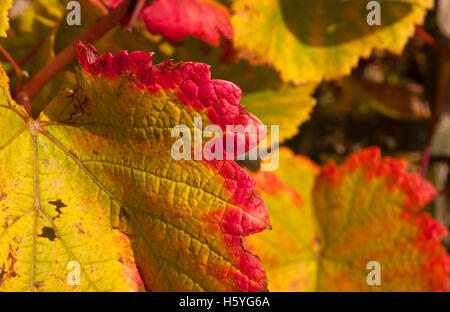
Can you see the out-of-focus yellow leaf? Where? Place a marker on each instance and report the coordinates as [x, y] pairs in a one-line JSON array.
[[329, 223], [311, 40], [441, 141], [288, 107]]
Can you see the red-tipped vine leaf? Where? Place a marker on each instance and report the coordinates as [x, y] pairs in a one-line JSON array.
[[329, 223], [92, 183]]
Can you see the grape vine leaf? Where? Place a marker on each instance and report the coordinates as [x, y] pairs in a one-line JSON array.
[[4, 7], [329, 223], [207, 20], [92, 180], [311, 40]]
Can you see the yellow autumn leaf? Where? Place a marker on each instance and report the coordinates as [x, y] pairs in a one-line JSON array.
[[311, 40]]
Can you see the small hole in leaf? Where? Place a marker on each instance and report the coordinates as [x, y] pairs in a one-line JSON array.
[[48, 232], [58, 205]]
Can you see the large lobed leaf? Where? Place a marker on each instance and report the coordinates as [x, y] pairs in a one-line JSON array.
[[92, 180], [311, 40], [330, 222]]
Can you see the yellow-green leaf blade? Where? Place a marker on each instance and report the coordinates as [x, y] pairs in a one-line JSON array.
[[313, 40], [40, 234]]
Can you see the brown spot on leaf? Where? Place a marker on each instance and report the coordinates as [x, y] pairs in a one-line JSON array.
[[9, 272], [58, 205], [2, 273], [49, 233]]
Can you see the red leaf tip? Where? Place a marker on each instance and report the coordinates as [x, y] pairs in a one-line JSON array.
[[192, 83]]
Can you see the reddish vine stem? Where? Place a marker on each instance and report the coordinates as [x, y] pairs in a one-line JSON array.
[[25, 60], [16, 68], [18, 71], [437, 107], [14, 64], [66, 56], [443, 53]]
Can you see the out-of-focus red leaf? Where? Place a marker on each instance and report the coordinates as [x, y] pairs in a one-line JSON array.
[[207, 20]]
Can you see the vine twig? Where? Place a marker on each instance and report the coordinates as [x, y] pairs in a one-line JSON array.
[[445, 191]]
